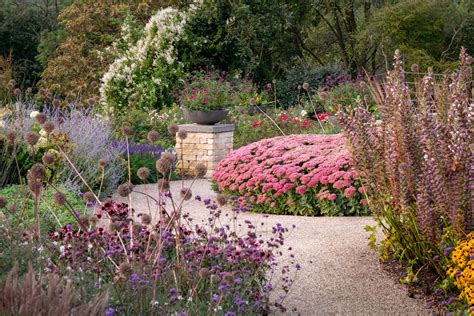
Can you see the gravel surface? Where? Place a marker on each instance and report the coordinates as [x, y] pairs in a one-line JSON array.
[[340, 275]]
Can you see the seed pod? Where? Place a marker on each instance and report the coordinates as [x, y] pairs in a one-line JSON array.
[[56, 103], [124, 189], [125, 270], [186, 194], [200, 170], [102, 163], [40, 118], [31, 138], [37, 171], [182, 135], [88, 197], [305, 86], [127, 130], [221, 199], [59, 198], [48, 127], [153, 136], [163, 166], [173, 129], [143, 173], [163, 185], [146, 219]]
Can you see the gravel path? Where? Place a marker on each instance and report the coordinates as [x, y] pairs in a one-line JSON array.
[[339, 275]]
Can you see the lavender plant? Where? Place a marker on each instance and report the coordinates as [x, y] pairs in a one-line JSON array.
[[417, 161]]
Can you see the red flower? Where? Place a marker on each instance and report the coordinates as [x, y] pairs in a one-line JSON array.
[[322, 116], [306, 124], [255, 124], [283, 117]]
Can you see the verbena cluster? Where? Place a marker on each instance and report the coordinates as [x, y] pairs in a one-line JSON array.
[[417, 161], [296, 174]]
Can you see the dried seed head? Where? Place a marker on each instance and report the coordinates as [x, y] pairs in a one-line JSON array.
[[200, 170], [125, 189], [48, 127], [415, 68], [299, 87], [173, 129], [12, 208], [306, 86], [48, 158], [204, 273], [163, 185], [84, 220], [182, 135], [168, 156], [143, 173], [88, 197], [468, 60], [3, 201], [163, 166], [31, 138], [221, 199], [253, 102], [127, 130], [91, 102], [17, 92], [29, 90], [186, 194], [102, 163], [59, 198], [37, 171], [40, 118], [34, 185], [114, 227], [94, 84], [56, 103], [228, 276], [146, 219], [125, 270], [11, 137], [153, 136], [93, 219], [137, 228], [11, 84]]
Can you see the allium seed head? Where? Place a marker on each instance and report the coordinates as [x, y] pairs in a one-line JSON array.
[[186, 194], [102, 163], [48, 127], [221, 199], [31, 138], [29, 90], [93, 219], [3, 201], [84, 220], [153, 136], [306, 86], [34, 185], [204, 273], [94, 84], [182, 135], [173, 129], [127, 130], [114, 227], [38, 171], [11, 137], [168, 156], [253, 102], [91, 102], [88, 197], [125, 270], [40, 118], [59, 198], [12, 208], [200, 170], [56, 103], [146, 219], [143, 173], [163, 166], [415, 68], [163, 185], [17, 92], [468, 60], [48, 158], [137, 228], [125, 189]]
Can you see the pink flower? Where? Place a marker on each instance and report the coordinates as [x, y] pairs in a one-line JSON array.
[[349, 192], [332, 197], [301, 189], [255, 124]]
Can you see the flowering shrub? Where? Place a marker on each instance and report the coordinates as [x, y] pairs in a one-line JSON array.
[[296, 174], [145, 69], [345, 95], [246, 94], [417, 161], [207, 90], [462, 270]]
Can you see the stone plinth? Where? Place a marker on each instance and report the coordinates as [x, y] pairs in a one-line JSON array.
[[204, 143]]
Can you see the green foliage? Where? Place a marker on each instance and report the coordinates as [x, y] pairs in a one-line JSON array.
[[138, 161], [52, 216], [345, 96]]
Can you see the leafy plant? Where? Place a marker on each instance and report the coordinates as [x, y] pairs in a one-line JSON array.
[[417, 164]]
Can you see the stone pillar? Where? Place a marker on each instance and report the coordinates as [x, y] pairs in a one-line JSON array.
[[204, 143]]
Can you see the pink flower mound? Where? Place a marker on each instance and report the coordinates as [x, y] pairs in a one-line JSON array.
[[310, 171]]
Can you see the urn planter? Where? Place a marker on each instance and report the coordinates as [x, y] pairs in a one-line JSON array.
[[205, 118]]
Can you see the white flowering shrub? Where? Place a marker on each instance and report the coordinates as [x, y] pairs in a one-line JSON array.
[[146, 68]]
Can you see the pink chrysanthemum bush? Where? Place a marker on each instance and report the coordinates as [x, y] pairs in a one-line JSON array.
[[296, 174]]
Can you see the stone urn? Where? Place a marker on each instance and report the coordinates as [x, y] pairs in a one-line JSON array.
[[205, 118]]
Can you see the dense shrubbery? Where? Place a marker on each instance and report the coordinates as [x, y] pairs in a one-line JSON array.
[[297, 174], [417, 164]]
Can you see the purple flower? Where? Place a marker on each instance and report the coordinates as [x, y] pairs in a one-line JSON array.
[[110, 311]]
